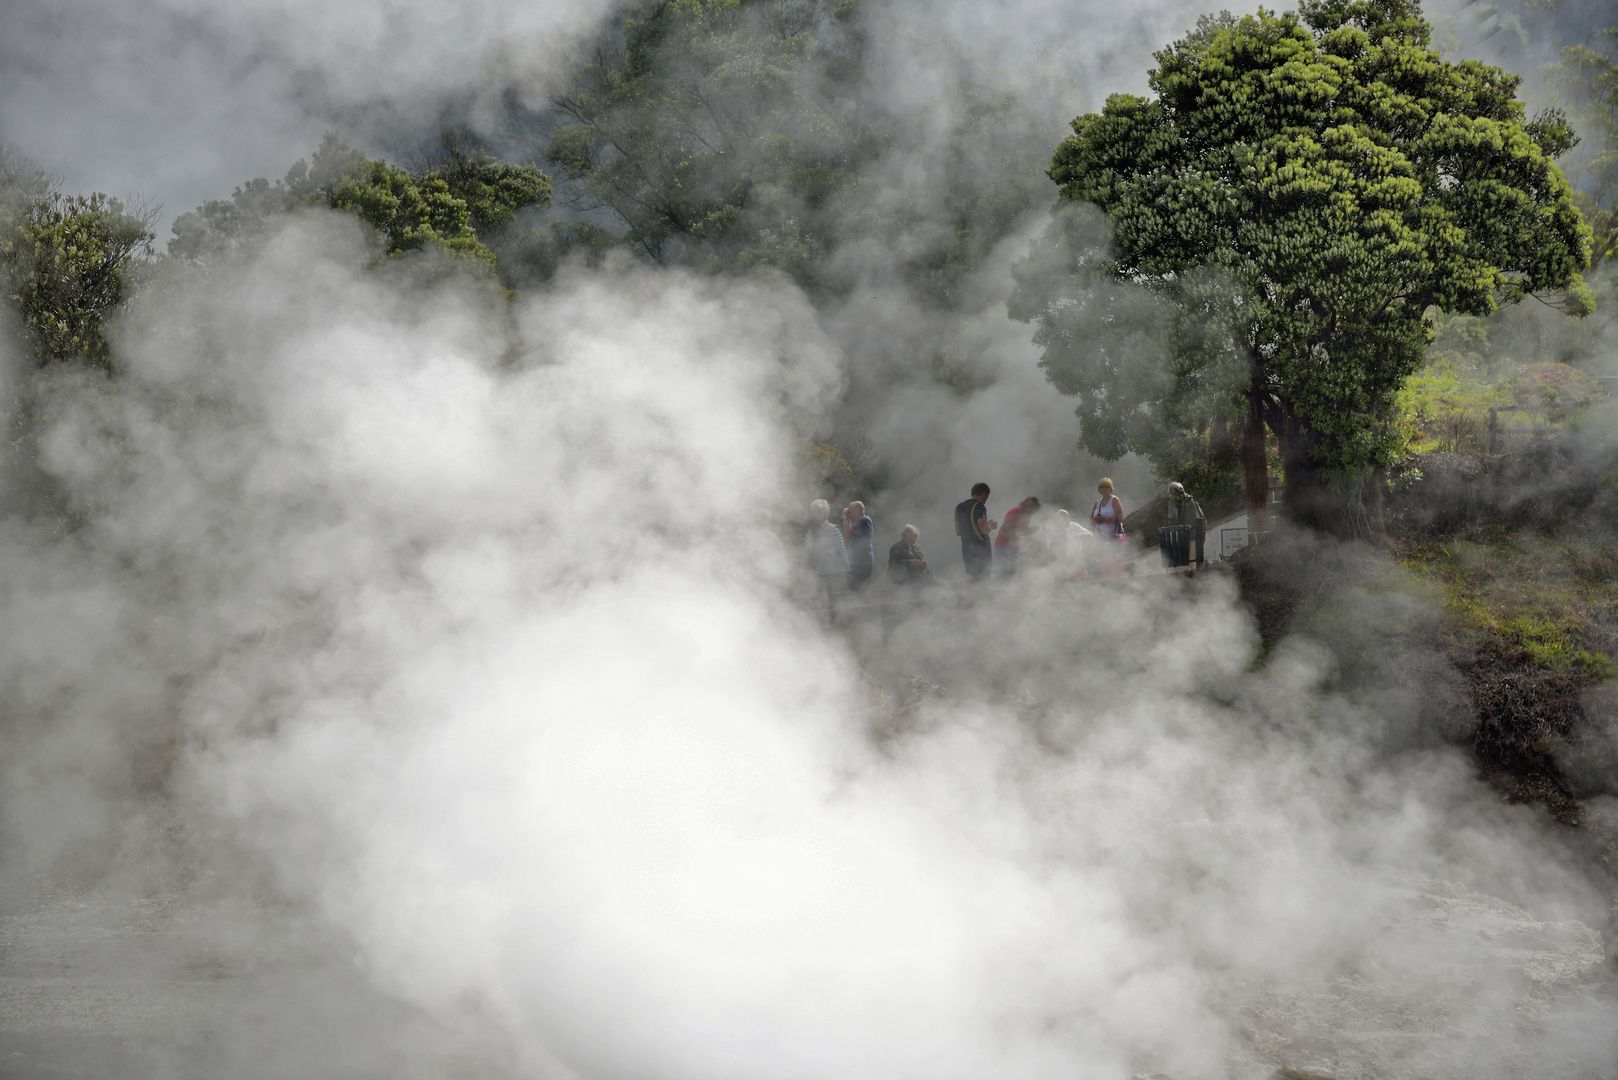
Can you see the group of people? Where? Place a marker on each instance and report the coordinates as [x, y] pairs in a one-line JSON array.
[[842, 555], [987, 543], [845, 553]]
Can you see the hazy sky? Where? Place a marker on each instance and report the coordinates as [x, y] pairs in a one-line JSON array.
[[180, 100]]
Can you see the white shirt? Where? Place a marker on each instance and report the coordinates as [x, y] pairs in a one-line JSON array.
[[824, 549]]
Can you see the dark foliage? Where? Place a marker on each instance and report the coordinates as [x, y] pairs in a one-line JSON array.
[[1524, 712]]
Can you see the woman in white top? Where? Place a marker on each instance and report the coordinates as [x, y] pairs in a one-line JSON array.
[[1108, 518], [825, 552]]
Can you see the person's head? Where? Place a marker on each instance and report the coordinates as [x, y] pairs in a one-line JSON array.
[[909, 535], [1177, 491], [819, 510], [1063, 517], [1029, 506], [760, 519], [980, 491], [1105, 487], [856, 509]]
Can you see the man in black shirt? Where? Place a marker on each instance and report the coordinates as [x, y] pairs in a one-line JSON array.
[[973, 525]]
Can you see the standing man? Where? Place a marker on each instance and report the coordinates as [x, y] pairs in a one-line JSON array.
[[1185, 510], [860, 532], [973, 525]]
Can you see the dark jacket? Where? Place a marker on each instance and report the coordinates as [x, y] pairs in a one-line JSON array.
[[899, 570], [1185, 511]]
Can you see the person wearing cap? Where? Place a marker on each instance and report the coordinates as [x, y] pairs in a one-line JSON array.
[[1185, 510]]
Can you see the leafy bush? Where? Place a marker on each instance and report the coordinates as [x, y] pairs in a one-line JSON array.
[[1446, 408], [459, 205], [65, 260], [1441, 409]]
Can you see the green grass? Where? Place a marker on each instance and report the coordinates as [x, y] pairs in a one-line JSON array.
[[1535, 593], [1555, 646]]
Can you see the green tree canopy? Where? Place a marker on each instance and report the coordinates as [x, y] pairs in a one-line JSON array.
[[459, 205], [64, 261], [1298, 190]]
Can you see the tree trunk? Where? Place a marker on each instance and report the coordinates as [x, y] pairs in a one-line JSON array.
[[1308, 502], [1377, 503], [1350, 506], [1221, 438], [1255, 469]]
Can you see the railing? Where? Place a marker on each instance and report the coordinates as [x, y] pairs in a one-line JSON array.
[[1233, 538], [1495, 430]]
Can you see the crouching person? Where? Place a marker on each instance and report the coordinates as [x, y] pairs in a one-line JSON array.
[[906, 564]]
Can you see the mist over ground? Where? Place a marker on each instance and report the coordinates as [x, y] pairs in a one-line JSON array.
[[435, 655], [384, 692]]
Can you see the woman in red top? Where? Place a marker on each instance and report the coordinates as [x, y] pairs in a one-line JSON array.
[[1008, 542]]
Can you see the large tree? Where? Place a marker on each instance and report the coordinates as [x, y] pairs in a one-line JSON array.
[[1298, 191]]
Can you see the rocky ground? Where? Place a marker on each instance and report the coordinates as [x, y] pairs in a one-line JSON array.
[[93, 988], [1381, 1020], [100, 987]]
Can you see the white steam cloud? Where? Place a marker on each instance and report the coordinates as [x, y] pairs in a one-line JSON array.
[[398, 639], [440, 630]]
